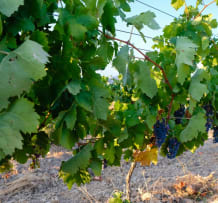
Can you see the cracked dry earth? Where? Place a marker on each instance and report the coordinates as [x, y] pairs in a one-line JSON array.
[[148, 184]]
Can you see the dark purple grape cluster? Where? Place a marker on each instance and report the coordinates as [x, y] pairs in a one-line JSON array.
[[208, 124], [160, 132], [173, 147], [104, 163], [179, 114], [215, 134], [209, 113]]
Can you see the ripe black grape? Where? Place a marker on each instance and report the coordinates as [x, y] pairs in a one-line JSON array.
[[209, 113], [179, 114], [209, 109], [215, 134], [160, 132], [173, 147]]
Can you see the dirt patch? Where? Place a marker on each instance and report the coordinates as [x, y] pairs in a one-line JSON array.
[[189, 178]]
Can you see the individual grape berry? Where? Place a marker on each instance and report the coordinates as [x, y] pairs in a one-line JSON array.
[[179, 114], [173, 147], [160, 132], [215, 134]]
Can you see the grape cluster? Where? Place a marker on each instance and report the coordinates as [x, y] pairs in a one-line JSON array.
[[209, 113], [215, 134], [160, 132], [173, 147], [179, 114]]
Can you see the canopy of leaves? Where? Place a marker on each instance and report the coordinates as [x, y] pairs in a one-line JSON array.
[[101, 118]]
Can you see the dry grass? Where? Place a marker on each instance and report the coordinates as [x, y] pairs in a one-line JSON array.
[[189, 186]]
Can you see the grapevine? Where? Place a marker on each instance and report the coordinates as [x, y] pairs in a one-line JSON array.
[[51, 91]]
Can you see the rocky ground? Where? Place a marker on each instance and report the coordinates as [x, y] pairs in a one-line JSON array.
[[191, 178]]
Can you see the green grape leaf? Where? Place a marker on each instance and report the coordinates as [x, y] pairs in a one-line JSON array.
[[79, 161], [100, 7], [20, 69], [122, 59], [199, 2], [8, 7], [96, 167], [101, 108], [77, 30], [99, 146], [22, 24], [110, 153], [84, 99], [107, 19], [20, 117], [195, 126], [177, 3], [185, 51], [183, 73], [1, 26], [150, 120], [81, 177], [142, 77], [74, 87], [41, 38], [205, 42], [145, 18], [216, 2], [28, 119], [198, 89], [105, 50], [71, 117], [66, 138]]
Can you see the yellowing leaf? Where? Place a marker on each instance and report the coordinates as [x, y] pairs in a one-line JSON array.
[[177, 3], [146, 157]]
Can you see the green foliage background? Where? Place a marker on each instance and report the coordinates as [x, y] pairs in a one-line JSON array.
[[48, 77]]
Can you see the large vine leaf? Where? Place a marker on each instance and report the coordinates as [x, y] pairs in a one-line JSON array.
[[185, 51], [8, 7], [195, 126], [183, 72], [142, 77], [121, 61], [146, 157], [198, 89], [79, 161], [145, 18], [101, 108], [20, 117], [20, 69]]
